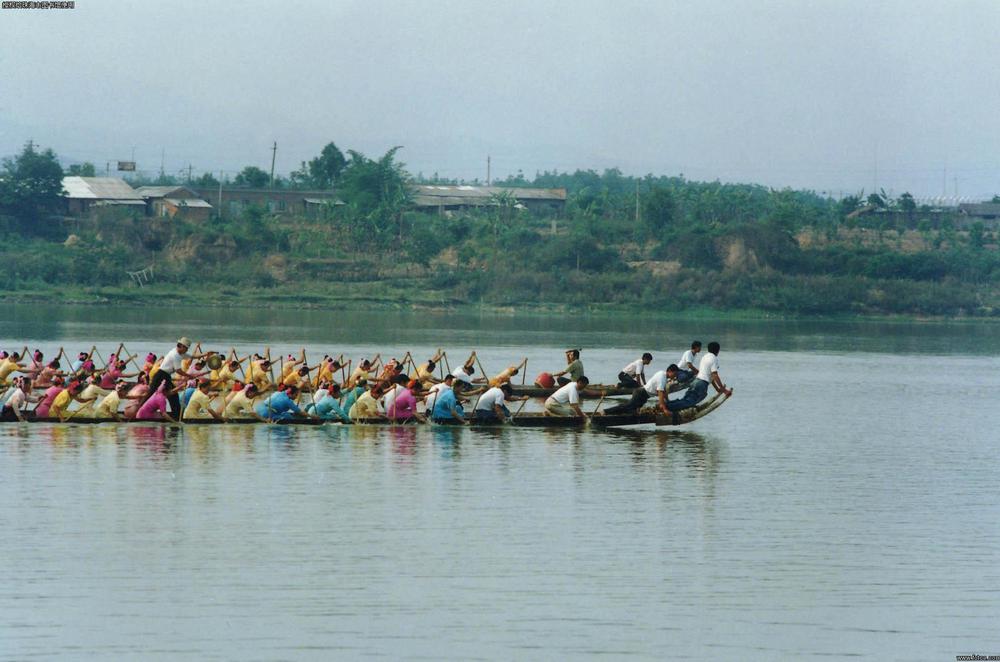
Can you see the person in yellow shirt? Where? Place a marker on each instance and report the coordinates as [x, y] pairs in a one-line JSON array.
[[60, 406], [505, 375], [108, 406], [200, 403], [328, 370], [363, 371], [8, 365], [257, 373], [366, 406], [226, 376], [241, 404], [425, 372]]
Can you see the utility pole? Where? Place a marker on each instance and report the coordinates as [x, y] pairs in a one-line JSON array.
[[488, 180], [220, 194], [637, 203], [274, 152], [163, 153], [189, 173]]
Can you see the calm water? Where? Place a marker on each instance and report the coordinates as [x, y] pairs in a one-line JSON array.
[[845, 502]]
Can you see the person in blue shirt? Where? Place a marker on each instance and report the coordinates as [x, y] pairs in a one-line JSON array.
[[328, 407], [352, 394], [446, 405], [280, 405]]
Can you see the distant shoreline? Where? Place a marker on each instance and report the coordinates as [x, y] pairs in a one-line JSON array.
[[278, 299]]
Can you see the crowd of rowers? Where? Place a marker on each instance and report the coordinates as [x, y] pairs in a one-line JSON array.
[[191, 385]]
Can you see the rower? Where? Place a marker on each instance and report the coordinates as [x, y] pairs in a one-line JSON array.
[[155, 406], [574, 368], [634, 374], [686, 368], [441, 404], [241, 404], [280, 405], [107, 408], [708, 373], [425, 371], [492, 405], [200, 403], [15, 405], [655, 387], [506, 374], [366, 406], [327, 403], [566, 401]]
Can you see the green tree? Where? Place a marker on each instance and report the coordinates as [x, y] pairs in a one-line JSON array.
[[658, 209], [206, 180], [252, 177], [85, 169], [31, 185], [323, 171], [377, 193]]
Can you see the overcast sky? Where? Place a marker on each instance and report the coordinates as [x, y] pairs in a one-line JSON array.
[[832, 96]]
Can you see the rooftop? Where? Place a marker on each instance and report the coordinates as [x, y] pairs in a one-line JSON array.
[[99, 188]]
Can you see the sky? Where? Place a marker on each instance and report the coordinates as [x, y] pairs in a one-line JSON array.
[[833, 96]]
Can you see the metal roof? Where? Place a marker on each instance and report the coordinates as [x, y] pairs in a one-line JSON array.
[[470, 193], [99, 188], [179, 192], [188, 202]]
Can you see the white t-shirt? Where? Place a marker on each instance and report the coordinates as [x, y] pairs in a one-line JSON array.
[[434, 393], [709, 364], [490, 399], [657, 382], [567, 394], [461, 375], [635, 368], [16, 400], [390, 396], [171, 362], [687, 358]]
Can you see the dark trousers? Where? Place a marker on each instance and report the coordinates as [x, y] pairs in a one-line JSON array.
[[161, 377], [626, 380], [695, 394], [562, 381], [635, 403]]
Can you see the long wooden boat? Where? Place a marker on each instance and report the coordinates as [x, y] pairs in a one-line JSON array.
[[592, 392], [648, 416]]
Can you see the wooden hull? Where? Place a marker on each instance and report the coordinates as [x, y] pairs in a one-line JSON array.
[[648, 416], [592, 392]]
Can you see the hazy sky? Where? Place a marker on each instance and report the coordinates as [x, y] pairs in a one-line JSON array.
[[797, 93]]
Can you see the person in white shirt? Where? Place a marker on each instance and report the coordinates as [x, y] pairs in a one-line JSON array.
[[708, 373], [172, 364], [656, 387], [492, 405], [17, 399], [566, 401], [686, 368], [437, 390], [634, 374]]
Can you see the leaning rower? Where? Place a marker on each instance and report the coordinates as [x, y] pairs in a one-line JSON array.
[[655, 387], [634, 374], [566, 401], [492, 405]]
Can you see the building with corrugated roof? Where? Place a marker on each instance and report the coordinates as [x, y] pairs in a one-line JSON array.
[[174, 202], [83, 194], [452, 197]]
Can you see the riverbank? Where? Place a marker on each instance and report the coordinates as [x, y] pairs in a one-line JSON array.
[[373, 297]]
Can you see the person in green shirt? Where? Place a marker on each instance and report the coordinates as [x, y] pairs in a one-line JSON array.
[[574, 368]]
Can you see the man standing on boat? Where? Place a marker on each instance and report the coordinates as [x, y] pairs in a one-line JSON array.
[[172, 365], [708, 373]]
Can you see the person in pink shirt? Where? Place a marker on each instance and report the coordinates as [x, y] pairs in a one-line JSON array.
[[47, 375], [154, 408], [114, 372], [404, 406], [42, 410], [136, 395]]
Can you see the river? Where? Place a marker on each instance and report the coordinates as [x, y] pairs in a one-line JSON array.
[[843, 503]]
